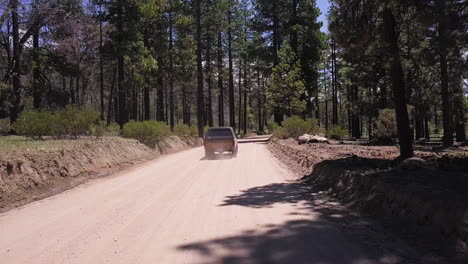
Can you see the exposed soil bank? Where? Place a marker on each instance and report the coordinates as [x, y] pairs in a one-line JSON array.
[[425, 197], [26, 176]]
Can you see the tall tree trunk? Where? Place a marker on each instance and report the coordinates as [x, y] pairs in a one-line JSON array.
[[200, 93], [446, 98], [277, 112], [123, 111], [294, 30], [259, 102], [185, 106], [101, 62], [246, 89], [220, 80], [356, 120], [458, 103], [398, 83], [146, 99], [111, 97], [326, 97], [16, 69], [232, 114], [350, 119], [240, 97], [36, 86], [426, 129], [160, 98], [208, 79], [335, 85], [459, 109], [77, 85], [171, 72], [72, 90]]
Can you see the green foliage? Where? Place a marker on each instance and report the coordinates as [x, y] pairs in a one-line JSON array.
[[385, 125], [113, 129], [278, 131], [75, 122], [181, 130], [194, 131], [286, 87], [70, 122], [4, 125], [34, 124], [337, 132], [147, 131], [294, 127], [98, 130]]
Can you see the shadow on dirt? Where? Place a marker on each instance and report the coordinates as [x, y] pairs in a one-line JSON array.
[[267, 196], [298, 241], [313, 240]]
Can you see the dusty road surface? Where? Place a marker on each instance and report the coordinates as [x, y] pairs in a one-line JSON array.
[[180, 209]]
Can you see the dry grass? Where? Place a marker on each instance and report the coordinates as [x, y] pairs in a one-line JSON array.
[[13, 143]]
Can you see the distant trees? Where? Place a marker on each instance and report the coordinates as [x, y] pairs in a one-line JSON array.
[[241, 63], [405, 47], [286, 87]]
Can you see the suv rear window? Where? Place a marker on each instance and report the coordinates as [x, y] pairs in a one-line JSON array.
[[220, 132]]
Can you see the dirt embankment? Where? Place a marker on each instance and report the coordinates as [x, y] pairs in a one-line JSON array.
[[28, 175], [425, 199]]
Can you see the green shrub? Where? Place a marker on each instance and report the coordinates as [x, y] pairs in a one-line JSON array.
[[181, 130], [34, 124], [146, 132], [278, 131], [4, 125], [194, 131], [336, 132], [69, 122], [76, 122], [98, 130], [295, 126], [385, 125], [113, 129]]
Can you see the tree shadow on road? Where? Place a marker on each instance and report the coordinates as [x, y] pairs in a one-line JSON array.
[[266, 196], [298, 241], [308, 240]]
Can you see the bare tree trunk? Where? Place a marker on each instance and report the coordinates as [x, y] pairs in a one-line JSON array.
[[200, 95], [77, 85], [72, 90], [240, 96], [208, 79], [220, 81], [246, 89], [232, 117], [171, 73], [160, 99], [111, 97], [446, 98], [335, 85], [123, 111], [277, 113], [398, 83], [101, 62], [36, 86], [16, 69]]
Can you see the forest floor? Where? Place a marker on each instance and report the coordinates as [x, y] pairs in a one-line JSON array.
[[34, 169], [423, 201]]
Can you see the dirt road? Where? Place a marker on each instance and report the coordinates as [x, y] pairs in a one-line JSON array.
[[180, 209]]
